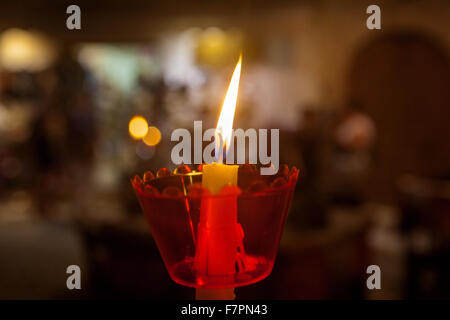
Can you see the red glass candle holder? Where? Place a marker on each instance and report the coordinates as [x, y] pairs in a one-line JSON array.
[[173, 202]]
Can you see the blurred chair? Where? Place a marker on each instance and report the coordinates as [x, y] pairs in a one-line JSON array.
[[425, 205]]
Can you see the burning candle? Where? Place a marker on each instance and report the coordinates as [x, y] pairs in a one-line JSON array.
[[219, 232], [219, 262]]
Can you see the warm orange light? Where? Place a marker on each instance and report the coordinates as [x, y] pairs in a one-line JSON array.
[[225, 124], [153, 136], [22, 50], [138, 127]]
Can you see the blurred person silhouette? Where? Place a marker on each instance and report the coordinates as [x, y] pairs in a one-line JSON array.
[[354, 137], [309, 140], [64, 134]]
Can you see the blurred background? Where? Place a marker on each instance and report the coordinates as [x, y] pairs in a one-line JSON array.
[[363, 113]]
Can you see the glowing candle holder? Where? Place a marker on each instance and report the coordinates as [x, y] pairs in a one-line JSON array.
[[172, 204]]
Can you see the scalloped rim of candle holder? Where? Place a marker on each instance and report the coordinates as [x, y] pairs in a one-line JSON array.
[[291, 180]]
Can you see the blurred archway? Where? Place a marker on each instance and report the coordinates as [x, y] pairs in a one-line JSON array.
[[402, 81]]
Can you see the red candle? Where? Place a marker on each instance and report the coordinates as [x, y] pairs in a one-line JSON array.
[[219, 233]]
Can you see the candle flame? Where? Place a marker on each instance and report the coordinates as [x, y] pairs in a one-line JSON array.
[[225, 124]]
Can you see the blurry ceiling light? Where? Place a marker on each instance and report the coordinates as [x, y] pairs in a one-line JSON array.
[[90, 55], [178, 54], [22, 50], [215, 38], [153, 136], [116, 65], [138, 127], [217, 47]]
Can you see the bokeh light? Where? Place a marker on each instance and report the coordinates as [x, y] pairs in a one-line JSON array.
[[138, 127], [153, 136], [217, 47], [22, 50]]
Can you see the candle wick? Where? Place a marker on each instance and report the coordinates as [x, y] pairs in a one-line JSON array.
[[220, 152]]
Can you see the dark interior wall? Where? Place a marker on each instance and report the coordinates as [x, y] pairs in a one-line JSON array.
[[402, 81], [133, 20]]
